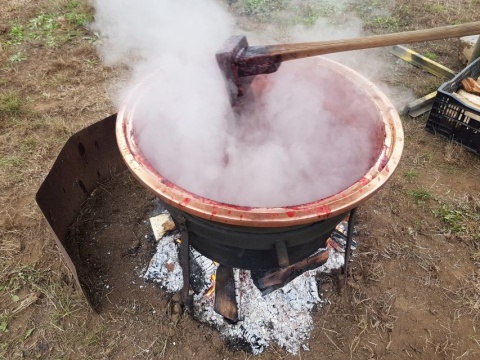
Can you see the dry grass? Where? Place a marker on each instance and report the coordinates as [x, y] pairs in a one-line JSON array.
[[466, 296], [56, 91], [455, 154]]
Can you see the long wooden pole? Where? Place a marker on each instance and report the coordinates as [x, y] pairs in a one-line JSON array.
[[254, 56]]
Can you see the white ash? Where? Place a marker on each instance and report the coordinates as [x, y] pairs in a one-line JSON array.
[[282, 317], [164, 267]]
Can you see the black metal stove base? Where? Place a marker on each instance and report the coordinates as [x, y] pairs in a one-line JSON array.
[[254, 248], [250, 248]]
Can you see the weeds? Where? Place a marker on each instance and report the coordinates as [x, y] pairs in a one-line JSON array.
[[261, 9], [365, 9], [467, 296], [11, 103], [308, 12], [453, 218], [438, 9], [18, 57], [431, 56], [50, 29], [16, 35], [4, 323], [305, 12], [43, 28], [421, 196], [410, 175], [392, 24]]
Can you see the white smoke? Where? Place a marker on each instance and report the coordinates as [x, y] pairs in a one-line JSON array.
[[300, 140]]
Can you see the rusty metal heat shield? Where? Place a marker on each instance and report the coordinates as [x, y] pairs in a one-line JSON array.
[[88, 158]]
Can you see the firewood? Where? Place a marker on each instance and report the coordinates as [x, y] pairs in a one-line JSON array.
[[471, 86]]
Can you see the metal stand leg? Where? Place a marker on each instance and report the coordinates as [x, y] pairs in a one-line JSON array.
[[351, 220], [185, 261]]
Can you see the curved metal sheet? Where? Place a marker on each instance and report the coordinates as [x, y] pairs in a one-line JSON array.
[[87, 159]]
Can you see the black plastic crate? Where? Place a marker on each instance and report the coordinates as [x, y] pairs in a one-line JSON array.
[[450, 117]]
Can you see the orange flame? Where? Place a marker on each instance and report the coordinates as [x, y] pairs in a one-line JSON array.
[[211, 289], [178, 241]]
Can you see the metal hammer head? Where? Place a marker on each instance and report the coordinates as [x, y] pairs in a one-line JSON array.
[[226, 58]]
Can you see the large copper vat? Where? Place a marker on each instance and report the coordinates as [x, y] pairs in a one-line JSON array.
[[389, 145]]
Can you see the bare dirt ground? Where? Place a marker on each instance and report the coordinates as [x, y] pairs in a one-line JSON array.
[[414, 289]]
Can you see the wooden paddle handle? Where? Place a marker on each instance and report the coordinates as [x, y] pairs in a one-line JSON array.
[[256, 56], [296, 51]]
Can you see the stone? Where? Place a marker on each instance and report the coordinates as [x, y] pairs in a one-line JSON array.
[[467, 43]]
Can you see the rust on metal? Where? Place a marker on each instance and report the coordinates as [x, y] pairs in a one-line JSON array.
[[87, 159]]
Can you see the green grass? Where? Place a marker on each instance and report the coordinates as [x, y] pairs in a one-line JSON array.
[[78, 14], [51, 29], [420, 196], [438, 9], [389, 23], [29, 144], [431, 56], [308, 12], [43, 28], [16, 35], [3, 324], [410, 175], [287, 12], [17, 57], [364, 9], [261, 9], [12, 103], [452, 218]]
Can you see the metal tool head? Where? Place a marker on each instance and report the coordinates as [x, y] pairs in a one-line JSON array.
[[226, 57]]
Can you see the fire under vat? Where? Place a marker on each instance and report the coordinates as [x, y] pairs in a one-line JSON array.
[[266, 238]]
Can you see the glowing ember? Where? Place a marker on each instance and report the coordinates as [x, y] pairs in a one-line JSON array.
[[211, 289]]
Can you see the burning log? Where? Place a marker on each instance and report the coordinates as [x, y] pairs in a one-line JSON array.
[[338, 241], [272, 280], [225, 298]]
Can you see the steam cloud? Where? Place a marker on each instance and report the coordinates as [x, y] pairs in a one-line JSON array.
[[298, 141]]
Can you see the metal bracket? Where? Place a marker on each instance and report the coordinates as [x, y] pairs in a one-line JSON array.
[[282, 254], [187, 301], [351, 220]]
